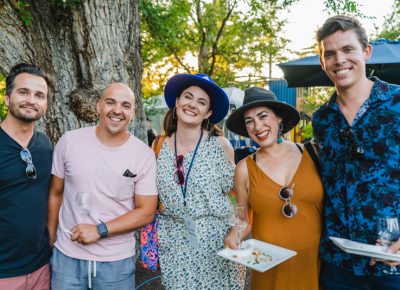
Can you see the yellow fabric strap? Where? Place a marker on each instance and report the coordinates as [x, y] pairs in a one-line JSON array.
[[157, 143]]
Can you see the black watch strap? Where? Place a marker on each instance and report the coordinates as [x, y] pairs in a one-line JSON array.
[[102, 230]]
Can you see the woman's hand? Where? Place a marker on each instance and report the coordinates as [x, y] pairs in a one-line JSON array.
[[231, 240]]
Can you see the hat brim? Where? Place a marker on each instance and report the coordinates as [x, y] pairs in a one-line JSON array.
[[290, 116], [219, 99]]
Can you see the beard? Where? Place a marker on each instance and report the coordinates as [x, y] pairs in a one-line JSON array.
[[18, 113]]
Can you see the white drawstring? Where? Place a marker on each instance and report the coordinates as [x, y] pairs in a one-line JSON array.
[[90, 274]]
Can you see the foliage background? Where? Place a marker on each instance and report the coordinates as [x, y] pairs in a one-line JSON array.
[[221, 38], [3, 107], [171, 30]]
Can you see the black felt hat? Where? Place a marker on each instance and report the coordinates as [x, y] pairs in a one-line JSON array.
[[259, 97]]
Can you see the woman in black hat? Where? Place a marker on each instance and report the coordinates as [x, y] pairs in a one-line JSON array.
[[194, 174], [281, 184]]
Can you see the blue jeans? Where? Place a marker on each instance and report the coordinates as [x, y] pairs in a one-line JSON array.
[[334, 278], [73, 274]]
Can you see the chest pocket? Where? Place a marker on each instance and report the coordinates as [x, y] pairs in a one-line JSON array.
[[124, 188]]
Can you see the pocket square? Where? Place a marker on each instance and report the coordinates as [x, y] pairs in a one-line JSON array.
[[127, 173]]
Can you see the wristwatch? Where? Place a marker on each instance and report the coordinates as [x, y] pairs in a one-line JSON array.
[[102, 230]]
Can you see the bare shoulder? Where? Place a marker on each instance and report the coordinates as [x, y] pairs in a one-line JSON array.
[[241, 168], [241, 181], [224, 142], [226, 145]]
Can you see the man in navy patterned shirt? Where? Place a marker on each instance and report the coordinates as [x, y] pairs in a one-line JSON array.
[[358, 133]]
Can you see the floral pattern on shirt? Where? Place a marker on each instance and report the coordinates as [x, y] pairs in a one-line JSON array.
[[211, 178], [358, 190]]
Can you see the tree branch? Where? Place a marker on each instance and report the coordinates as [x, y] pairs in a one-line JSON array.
[[202, 32], [219, 34], [179, 59]]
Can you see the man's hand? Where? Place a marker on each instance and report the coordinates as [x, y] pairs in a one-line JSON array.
[[394, 248], [85, 234]]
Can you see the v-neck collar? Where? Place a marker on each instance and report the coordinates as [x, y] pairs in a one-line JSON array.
[[274, 181]]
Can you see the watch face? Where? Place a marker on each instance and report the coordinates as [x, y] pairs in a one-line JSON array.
[[102, 230]]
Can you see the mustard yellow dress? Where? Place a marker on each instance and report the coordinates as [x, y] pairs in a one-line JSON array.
[[300, 233]]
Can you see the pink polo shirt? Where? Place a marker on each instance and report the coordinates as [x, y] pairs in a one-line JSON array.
[[95, 189]]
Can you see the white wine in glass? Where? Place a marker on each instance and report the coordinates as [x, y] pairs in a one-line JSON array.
[[239, 219], [388, 233]]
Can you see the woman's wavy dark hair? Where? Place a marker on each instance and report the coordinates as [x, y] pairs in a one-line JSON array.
[[171, 120]]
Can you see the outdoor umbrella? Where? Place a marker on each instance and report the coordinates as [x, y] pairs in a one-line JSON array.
[[384, 63]]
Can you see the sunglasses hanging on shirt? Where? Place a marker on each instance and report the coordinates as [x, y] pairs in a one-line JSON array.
[[30, 169], [289, 209], [179, 174], [355, 150]]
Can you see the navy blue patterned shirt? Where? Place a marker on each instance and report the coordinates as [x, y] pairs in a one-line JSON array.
[[360, 172]]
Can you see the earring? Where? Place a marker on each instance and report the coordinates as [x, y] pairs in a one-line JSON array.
[[280, 134], [174, 114]]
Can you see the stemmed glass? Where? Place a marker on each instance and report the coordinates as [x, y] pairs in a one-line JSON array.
[[239, 219], [388, 233], [82, 205]]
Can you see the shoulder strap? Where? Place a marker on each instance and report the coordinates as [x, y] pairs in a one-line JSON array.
[[299, 147], [311, 150], [157, 143]]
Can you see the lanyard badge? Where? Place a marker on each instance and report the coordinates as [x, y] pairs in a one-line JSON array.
[[188, 220]]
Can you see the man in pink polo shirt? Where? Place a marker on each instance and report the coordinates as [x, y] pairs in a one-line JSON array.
[[103, 189]]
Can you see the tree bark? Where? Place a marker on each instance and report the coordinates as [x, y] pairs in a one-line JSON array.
[[85, 48]]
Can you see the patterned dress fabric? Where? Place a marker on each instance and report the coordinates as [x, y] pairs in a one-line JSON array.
[[149, 246], [210, 179], [301, 233], [358, 190]]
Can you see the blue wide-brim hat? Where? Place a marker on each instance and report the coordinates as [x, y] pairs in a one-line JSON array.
[[218, 98]]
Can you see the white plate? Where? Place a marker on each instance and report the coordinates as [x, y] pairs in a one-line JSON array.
[[361, 249], [261, 256]]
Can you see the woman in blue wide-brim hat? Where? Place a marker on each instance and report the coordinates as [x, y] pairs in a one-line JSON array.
[[195, 168]]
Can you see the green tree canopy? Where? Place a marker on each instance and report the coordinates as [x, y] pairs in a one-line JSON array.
[[222, 36], [391, 25]]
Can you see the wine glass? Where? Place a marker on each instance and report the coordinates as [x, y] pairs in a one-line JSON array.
[[82, 205], [388, 233], [239, 219]]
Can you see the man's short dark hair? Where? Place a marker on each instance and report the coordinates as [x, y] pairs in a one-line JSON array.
[[30, 69], [344, 23]]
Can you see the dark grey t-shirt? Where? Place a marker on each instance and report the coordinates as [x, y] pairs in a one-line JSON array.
[[24, 240]]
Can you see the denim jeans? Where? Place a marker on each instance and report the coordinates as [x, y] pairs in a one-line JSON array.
[[73, 274], [334, 278]]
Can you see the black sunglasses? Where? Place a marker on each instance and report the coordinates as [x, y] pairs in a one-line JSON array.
[[30, 168], [289, 209], [355, 149], [179, 175]]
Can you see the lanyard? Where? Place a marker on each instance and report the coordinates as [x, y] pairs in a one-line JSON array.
[[183, 189]]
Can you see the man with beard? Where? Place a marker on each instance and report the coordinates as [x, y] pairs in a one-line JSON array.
[[25, 166], [103, 188]]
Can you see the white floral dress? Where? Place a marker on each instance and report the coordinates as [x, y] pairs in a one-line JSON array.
[[210, 179]]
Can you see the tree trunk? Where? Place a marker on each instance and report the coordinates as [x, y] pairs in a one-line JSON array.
[[85, 48]]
